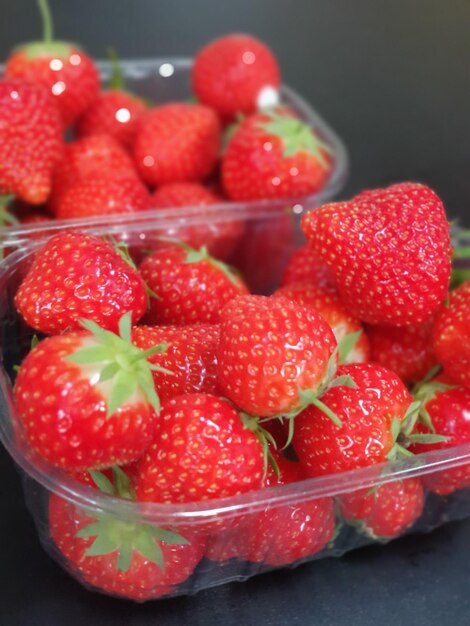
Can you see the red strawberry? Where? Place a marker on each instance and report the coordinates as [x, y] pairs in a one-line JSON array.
[[367, 414], [274, 155], [66, 71], [102, 194], [386, 510], [408, 350], [183, 194], [306, 266], [30, 140], [348, 331], [236, 74], [190, 286], [271, 351], [76, 276], [134, 560], [191, 357], [211, 453], [86, 399], [389, 250], [452, 335], [177, 142]]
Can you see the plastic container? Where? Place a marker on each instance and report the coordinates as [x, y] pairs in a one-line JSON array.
[[216, 529]]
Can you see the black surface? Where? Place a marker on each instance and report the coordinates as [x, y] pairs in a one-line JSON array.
[[392, 78]]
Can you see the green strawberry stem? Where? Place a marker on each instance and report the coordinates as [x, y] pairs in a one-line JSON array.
[[195, 256], [327, 411], [117, 79], [265, 438], [47, 24]]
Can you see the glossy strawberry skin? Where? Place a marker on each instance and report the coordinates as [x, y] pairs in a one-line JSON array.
[[191, 356], [230, 74], [30, 140], [271, 348], [307, 266], [77, 276], [115, 113], [177, 142], [389, 250], [328, 305], [209, 455], [407, 350], [187, 293], [254, 165], [181, 194], [72, 79], [366, 412], [452, 335], [63, 411], [144, 580], [386, 511]]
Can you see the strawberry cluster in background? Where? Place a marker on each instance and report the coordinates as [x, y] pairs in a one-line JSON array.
[[235, 142], [169, 382]]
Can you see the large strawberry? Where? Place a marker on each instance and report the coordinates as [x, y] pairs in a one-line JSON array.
[[389, 250], [274, 354], [66, 71], [307, 266], [76, 276], [131, 559], [274, 155], [236, 74], [452, 335], [190, 360], [190, 287], [177, 142], [86, 399], [30, 140], [352, 341]]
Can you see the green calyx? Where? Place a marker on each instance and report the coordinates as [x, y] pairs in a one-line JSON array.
[[6, 218], [47, 47], [121, 363], [117, 79], [123, 250], [425, 391], [297, 136], [265, 438], [196, 256], [347, 344]]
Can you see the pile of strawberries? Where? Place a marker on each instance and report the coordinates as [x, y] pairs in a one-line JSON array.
[[235, 142], [171, 383]]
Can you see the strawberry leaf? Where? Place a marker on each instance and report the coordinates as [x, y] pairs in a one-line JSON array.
[[123, 387], [346, 344], [148, 548], [102, 482]]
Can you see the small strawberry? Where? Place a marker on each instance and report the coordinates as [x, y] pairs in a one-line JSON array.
[[211, 453], [86, 399], [406, 350], [274, 155], [273, 353], [66, 71], [30, 140], [190, 286], [177, 142], [352, 341], [306, 266], [452, 335], [236, 74], [389, 250], [385, 511], [191, 357], [185, 194], [130, 559], [103, 194], [76, 276]]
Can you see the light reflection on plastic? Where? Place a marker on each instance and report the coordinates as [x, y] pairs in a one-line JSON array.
[[123, 115], [249, 57], [56, 65], [75, 59], [166, 70], [58, 88]]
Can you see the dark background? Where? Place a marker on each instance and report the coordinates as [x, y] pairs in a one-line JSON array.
[[392, 78]]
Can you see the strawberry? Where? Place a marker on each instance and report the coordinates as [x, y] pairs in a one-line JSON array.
[[407, 350], [131, 559], [211, 453], [368, 413], [190, 286], [102, 194], [177, 142], [306, 266], [348, 331], [191, 357], [389, 250], [183, 194], [86, 399], [66, 71], [385, 511], [30, 140], [236, 74], [452, 335], [274, 355], [274, 155], [76, 276]]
